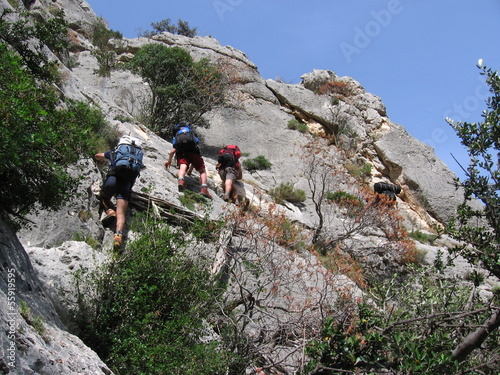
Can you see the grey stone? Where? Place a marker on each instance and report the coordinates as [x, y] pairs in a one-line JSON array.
[[256, 119]]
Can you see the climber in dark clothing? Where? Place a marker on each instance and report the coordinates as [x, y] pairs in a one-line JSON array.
[[118, 183], [389, 190]]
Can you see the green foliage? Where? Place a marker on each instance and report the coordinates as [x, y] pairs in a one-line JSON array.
[[53, 32], [182, 28], [101, 34], [258, 163], [295, 124], [182, 89], [360, 172], [479, 228], [104, 53], [286, 192], [29, 39], [342, 198], [89, 240], [191, 199], [36, 321], [123, 118], [38, 140], [423, 237], [150, 311], [205, 229], [406, 328]]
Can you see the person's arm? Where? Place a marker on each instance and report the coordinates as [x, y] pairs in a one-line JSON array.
[[103, 156], [170, 157], [99, 156]]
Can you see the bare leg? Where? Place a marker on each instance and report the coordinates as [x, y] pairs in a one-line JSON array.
[[182, 171], [228, 186], [203, 176], [204, 189], [121, 208]]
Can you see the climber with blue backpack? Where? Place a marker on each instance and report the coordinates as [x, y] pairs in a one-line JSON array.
[[187, 151], [125, 166]]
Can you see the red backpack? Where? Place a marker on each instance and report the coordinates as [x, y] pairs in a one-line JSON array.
[[228, 156]]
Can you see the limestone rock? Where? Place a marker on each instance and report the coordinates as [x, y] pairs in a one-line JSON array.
[[256, 119], [426, 179], [33, 339]]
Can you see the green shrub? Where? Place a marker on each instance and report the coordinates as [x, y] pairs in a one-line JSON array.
[[258, 163], [358, 171], [104, 53], [42, 138], [415, 336], [182, 89], [28, 39], [423, 237], [148, 313], [191, 199], [166, 25], [286, 192], [294, 124], [36, 321], [340, 196]]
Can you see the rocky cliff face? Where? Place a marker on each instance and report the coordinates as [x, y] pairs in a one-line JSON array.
[[256, 119], [33, 338]]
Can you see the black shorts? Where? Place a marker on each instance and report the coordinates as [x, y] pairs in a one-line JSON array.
[[113, 186]]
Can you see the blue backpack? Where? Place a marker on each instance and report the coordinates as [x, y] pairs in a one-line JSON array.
[[185, 139], [127, 158]]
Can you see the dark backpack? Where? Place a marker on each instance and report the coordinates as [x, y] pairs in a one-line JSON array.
[[388, 189], [127, 158], [228, 156], [185, 139]]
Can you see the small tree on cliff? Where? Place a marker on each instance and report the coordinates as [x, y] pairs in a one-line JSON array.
[[40, 134], [166, 25], [182, 90], [478, 229]]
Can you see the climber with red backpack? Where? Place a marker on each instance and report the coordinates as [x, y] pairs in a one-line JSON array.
[[229, 168], [187, 152], [125, 166]]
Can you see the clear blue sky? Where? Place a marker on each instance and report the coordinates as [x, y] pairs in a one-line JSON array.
[[419, 56]]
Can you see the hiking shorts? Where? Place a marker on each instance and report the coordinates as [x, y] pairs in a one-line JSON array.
[[113, 186], [228, 173], [190, 158]]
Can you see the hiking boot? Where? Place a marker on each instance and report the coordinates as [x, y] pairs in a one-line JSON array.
[[181, 185], [109, 219], [225, 197], [204, 191], [117, 243]]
